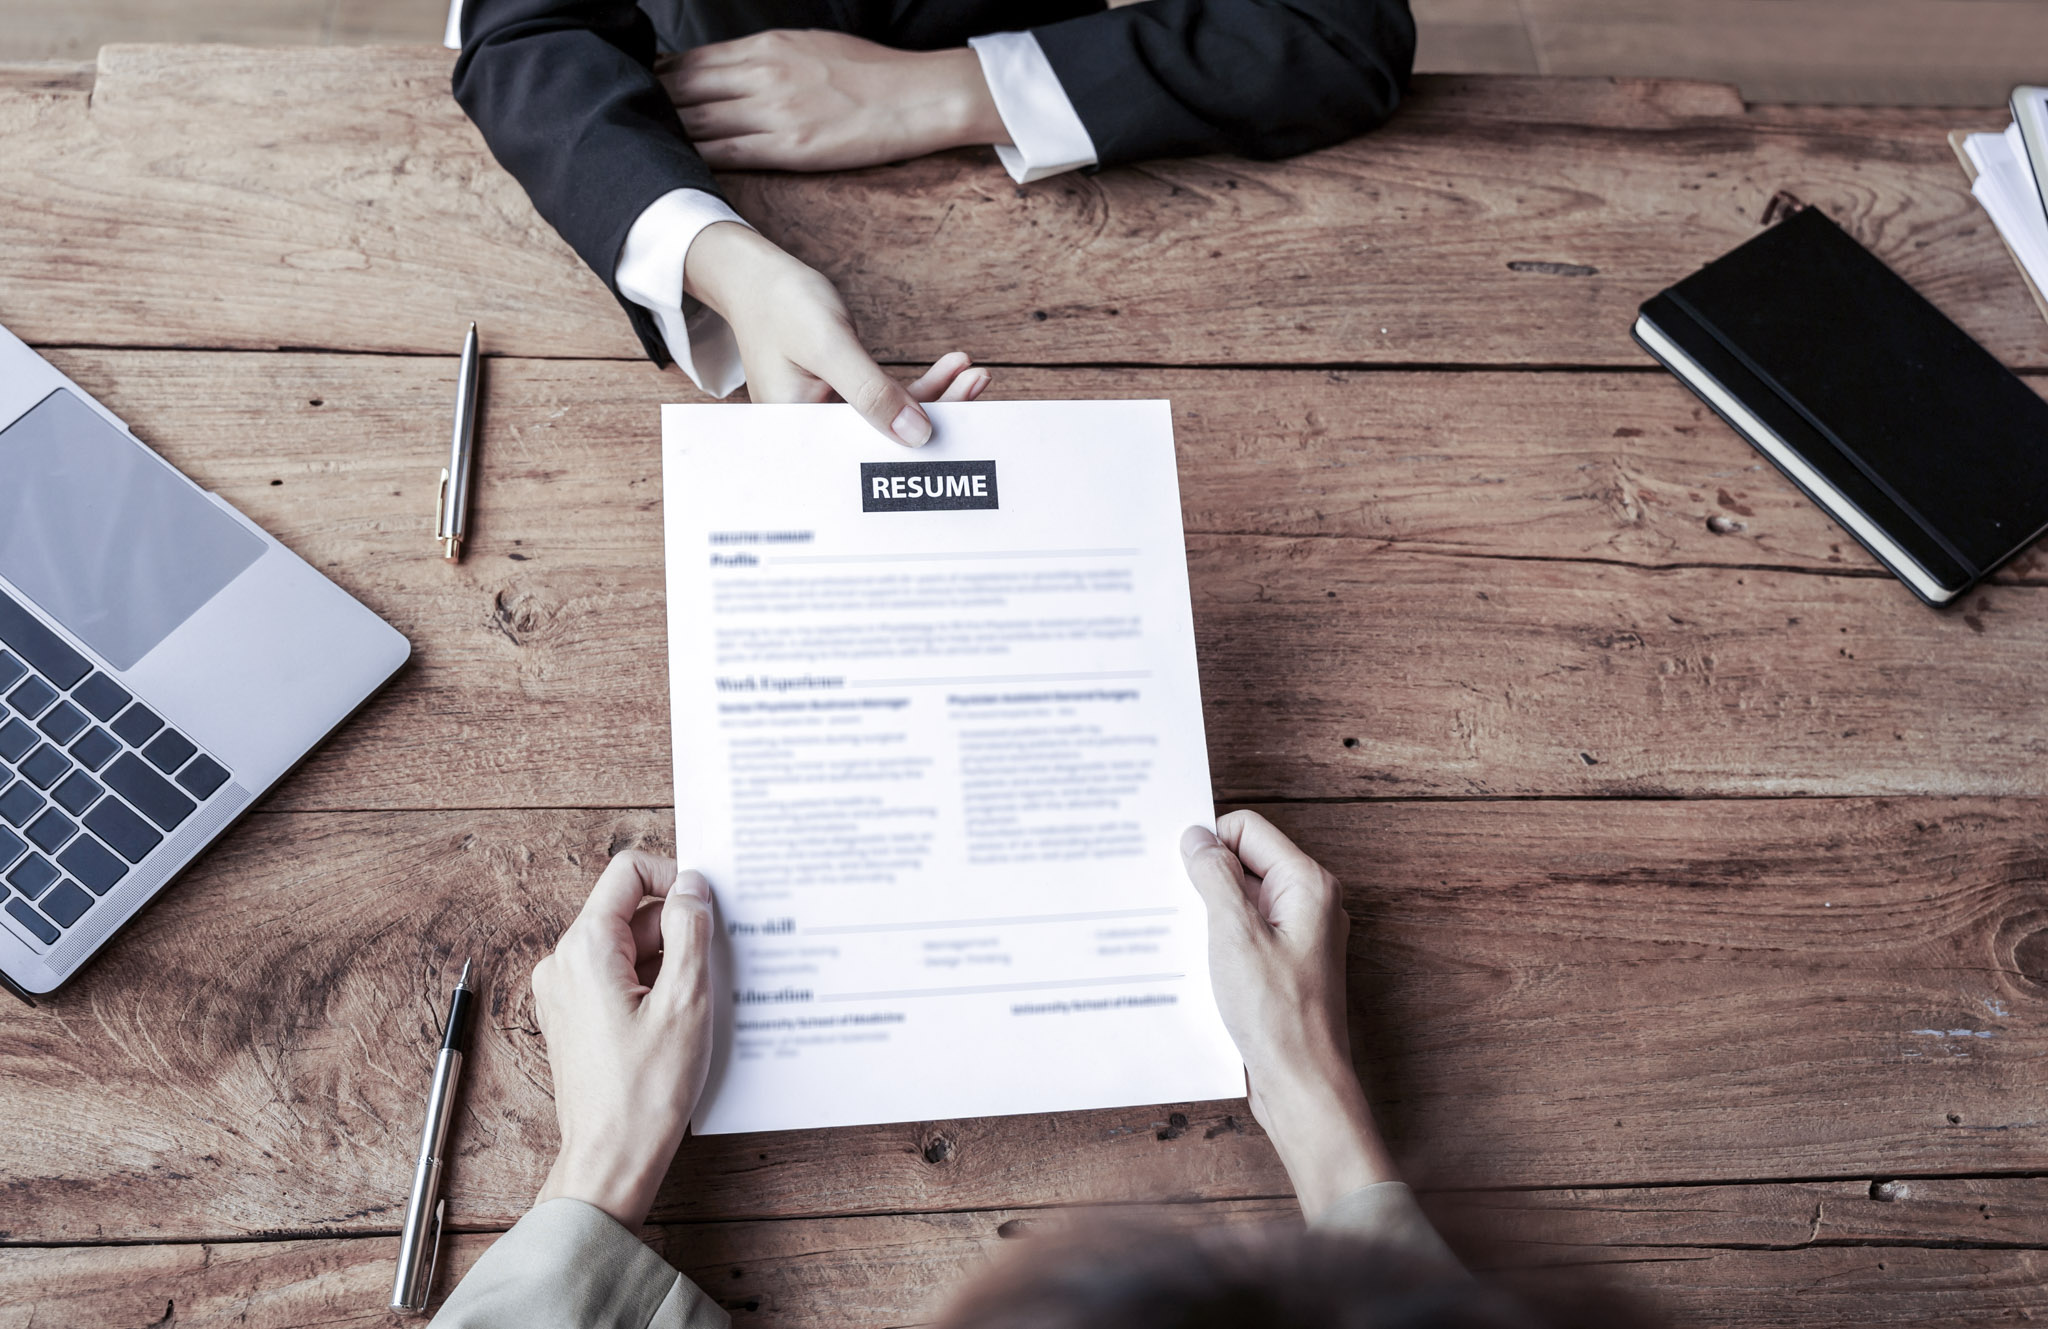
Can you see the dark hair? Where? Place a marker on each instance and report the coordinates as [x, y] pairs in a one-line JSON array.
[[1256, 1278]]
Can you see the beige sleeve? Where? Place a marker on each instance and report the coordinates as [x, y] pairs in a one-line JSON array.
[[1386, 1212], [569, 1265]]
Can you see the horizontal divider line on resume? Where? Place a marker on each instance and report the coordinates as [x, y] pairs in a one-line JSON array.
[[952, 557], [846, 928], [1000, 987], [964, 679]]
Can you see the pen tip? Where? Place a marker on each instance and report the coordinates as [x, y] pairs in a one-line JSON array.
[[463, 982]]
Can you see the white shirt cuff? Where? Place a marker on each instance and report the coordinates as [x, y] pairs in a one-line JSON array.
[[650, 274], [1043, 124]]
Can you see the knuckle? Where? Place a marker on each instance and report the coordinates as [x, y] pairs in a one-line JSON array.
[[870, 396], [575, 949]]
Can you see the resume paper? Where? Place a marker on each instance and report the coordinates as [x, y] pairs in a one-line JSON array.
[[937, 734]]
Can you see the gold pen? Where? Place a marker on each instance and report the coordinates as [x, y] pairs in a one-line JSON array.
[[451, 517]]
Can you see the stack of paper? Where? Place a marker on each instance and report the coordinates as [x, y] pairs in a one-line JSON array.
[[2004, 184]]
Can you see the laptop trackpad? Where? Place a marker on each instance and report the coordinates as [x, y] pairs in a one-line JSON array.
[[104, 535]]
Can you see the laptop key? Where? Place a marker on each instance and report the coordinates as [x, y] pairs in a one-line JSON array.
[[137, 724], [102, 696], [51, 830], [44, 766], [63, 722], [33, 876], [67, 904], [44, 930], [170, 750], [76, 792], [19, 803], [16, 739], [152, 795], [11, 846], [10, 669], [113, 821], [203, 777], [33, 697], [43, 649], [94, 747], [88, 860]]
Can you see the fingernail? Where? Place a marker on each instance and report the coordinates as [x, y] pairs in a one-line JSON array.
[[974, 388], [912, 427]]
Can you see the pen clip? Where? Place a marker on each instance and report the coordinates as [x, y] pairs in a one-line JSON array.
[[441, 508], [434, 1254]]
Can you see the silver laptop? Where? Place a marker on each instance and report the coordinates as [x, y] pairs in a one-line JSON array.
[[163, 662]]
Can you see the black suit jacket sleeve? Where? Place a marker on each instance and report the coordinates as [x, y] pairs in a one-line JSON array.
[[565, 94], [1260, 78]]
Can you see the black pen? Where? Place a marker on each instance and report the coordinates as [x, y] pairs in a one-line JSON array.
[[419, 1244]]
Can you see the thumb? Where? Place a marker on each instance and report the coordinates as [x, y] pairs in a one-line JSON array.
[[864, 385], [685, 943], [1217, 875]]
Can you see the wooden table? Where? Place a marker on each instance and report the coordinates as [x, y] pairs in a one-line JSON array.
[[1702, 943]]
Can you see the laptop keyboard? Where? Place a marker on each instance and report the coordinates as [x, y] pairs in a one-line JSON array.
[[91, 780]]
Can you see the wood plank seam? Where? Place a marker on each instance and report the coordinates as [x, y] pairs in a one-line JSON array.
[[1789, 1179], [1273, 801], [683, 1226], [1587, 367], [1589, 560]]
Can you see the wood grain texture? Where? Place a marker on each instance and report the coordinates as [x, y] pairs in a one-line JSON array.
[[1320, 678], [885, 1270], [1881, 52], [385, 22], [1619, 597], [1506, 1229], [1553, 994], [337, 198], [1621, 467], [249, 1285], [1457, 609], [250, 1055], [1473, 37], [76, 29]]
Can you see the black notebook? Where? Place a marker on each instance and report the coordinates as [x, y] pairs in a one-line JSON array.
[[1903, 429]]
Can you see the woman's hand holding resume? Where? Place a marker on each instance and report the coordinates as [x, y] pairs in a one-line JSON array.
[[937, 734]]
